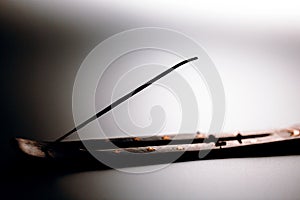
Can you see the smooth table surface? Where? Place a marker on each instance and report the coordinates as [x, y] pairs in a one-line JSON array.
[[243, 178]]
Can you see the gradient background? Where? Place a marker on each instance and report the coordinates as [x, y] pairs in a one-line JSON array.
[[254, 46]]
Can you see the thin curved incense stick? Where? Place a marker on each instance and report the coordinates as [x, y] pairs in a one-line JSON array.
[[124, 98]]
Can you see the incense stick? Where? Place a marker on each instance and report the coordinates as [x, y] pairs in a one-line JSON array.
[[124, 98]]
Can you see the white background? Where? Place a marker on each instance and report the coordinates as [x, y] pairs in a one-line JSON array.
[[255, 46]]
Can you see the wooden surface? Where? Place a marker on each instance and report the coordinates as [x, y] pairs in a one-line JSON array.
[[143, 151]]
